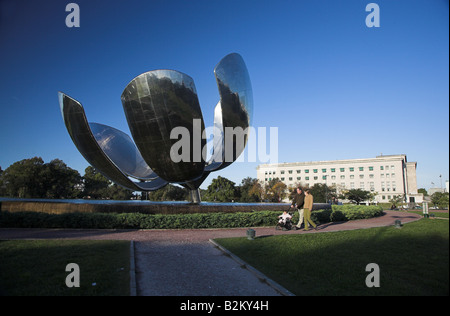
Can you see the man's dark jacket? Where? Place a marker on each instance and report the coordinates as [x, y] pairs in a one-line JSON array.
[[299, 200]]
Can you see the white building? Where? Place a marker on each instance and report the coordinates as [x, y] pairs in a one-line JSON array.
[[387, 176]]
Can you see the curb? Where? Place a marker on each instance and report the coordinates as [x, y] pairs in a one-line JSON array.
[[257, 273], [133, 291]]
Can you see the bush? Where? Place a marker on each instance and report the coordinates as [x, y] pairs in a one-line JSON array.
[[351, 212], [177, 221]]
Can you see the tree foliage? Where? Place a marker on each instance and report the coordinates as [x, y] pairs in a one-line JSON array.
[[357, 195], [221, 190], [440, 199], [32, 178]]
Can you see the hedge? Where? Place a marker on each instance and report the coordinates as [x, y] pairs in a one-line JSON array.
[[351, 212], [175, 221]]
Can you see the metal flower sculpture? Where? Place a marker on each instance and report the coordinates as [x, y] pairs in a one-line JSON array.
[[156, 104]]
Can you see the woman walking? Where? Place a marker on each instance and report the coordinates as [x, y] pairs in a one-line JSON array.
[[307, 210]]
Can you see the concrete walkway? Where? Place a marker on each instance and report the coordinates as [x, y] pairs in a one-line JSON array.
[[185, 262]]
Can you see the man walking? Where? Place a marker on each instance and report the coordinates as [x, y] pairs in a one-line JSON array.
[[298, 202]]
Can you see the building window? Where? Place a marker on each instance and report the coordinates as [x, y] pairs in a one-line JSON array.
[[282, 178], [333, 169], [371, 176], [315, 170], [290, 171], [352, 169], [324, 177], [342, 177], [315, 178], [370, 168], [352, 185], [361, 176], [361, 185], [306, 178], [341, 169], [383, 197], [306, 170], [381, 168], [298, 171], [352, 176], [290, 178], [282, 171], [324, 170], [361, 168], [299, 178], [333, 177]]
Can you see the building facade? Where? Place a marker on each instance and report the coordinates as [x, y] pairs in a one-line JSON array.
[[386, 175]]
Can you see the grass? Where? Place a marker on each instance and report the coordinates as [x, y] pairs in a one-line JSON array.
[[436, 214], [413, 260], [38, 267]]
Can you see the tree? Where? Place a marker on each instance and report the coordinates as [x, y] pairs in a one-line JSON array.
[[22, 179], [169, 193], [95, 184], [396, 199], [258, 190], [32, 178], [60, 181], [221, 190], [357, 195], [440, 199], [423, 191], [246, 192], [275, 190], [322, 193], [116, 192]]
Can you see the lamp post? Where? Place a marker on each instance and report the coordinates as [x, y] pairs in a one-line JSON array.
[[425, 209]]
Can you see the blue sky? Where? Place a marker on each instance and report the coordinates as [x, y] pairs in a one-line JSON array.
[[333, 87]]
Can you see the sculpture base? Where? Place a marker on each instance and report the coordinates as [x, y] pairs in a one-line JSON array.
[[195, 196]]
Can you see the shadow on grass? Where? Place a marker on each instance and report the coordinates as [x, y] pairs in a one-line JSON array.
[[37, 267], [413, 260]]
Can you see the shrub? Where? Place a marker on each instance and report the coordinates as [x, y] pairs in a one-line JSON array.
[[352, 212], [176, 221]]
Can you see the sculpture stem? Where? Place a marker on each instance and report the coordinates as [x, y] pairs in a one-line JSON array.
[[195, 196]]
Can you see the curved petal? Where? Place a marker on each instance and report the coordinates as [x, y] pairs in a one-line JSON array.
[[160, 106], [119, 147], [236, 98], [217, 157], [81, 134]]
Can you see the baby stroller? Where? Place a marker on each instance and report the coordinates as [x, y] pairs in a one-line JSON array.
[[286, 224]]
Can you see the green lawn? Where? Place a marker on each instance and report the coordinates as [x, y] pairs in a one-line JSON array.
[[430, 213], [38, 267], [413, 260]]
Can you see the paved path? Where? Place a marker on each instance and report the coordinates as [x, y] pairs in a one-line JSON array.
[[184, 262]]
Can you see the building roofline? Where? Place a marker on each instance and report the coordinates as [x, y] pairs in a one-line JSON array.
[[343, 161]]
